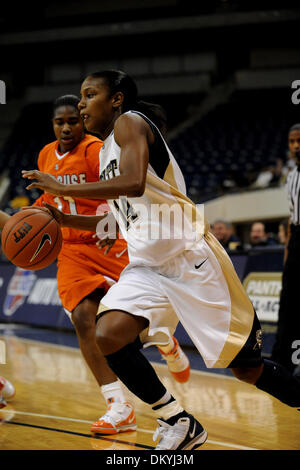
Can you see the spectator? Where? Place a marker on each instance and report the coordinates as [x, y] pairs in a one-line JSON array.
[[259, 237], [223, 231], [274, 174], [264, 178]]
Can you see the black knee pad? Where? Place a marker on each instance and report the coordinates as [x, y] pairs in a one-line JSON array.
[[136, 372]]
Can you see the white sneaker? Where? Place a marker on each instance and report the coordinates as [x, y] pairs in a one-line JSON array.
[[118, 418], [6, 388], [177, 362], [186, 434]]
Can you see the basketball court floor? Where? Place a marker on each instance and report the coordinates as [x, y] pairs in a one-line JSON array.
[[57, 399]]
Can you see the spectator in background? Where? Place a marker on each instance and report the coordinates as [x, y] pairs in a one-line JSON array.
[[259, 237], [283, 231], [223, 231]]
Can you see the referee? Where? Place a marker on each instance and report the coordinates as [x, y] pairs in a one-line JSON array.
[[288, 328]]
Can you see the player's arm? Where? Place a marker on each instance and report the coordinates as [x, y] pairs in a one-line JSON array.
[[133, 135], [286, 248], [80, 222], [3, 219]]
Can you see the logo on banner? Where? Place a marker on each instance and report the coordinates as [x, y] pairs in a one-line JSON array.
[[18, 289], [264, 290]]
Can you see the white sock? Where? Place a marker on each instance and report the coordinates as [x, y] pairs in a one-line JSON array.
[[164, 399], [169, 410], [168, 347], [113, 393]]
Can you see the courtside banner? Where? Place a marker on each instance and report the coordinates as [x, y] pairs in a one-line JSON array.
[[264, 289], [31, 297]]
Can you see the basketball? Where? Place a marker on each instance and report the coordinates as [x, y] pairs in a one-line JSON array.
[[31, 239]]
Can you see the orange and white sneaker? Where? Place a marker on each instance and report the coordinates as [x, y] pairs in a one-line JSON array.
[[6, 388], [118, 418], [177, 362]]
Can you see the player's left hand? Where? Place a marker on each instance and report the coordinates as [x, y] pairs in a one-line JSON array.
[[44, 181]]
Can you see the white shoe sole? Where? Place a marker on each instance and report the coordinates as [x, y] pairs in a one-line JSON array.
[[197, 442]]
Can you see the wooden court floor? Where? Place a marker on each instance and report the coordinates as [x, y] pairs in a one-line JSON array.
[[57, 399]]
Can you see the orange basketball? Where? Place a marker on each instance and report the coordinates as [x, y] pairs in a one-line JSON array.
[[31, 239]]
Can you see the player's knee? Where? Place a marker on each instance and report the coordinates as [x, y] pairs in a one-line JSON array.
[[108, 339], [82, 318], [247, 374], [114, 331]]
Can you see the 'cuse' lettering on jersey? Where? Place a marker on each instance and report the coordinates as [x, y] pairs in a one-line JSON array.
[[72, 179], [110, 171]]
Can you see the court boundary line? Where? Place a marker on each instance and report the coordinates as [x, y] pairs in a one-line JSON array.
[[147, 431], [80, 434]]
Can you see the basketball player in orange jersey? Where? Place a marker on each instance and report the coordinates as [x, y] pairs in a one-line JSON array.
[[84, 274]]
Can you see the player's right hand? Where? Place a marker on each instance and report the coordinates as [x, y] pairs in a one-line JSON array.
[[36, 207], [57, 214]]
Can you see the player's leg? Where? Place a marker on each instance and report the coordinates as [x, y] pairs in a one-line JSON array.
[[266, 375], [288, 325], [274, 379], [81, 286], [84, 319], [118, 337]]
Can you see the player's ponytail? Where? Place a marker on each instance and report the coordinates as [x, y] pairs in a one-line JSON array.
[[116, 80]]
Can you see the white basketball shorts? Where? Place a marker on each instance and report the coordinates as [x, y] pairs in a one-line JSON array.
[[200, 289]]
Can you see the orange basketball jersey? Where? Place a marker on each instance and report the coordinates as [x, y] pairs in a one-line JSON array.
[[80, 165]]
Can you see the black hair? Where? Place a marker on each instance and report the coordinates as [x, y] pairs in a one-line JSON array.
[[117, 80], [295, 127], [223, 221], [66, 100]]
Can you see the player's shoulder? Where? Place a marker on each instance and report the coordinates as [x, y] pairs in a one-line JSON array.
[[89, 140], [130, 122], [130, 117], [47, 152], [90, 145], [49, 147]]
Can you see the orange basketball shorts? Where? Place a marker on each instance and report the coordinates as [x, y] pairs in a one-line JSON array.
[[83, 268]]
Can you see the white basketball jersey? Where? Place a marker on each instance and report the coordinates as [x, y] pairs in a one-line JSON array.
[[163, 221]]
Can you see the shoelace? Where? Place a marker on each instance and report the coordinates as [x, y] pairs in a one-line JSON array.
[[168, 435], [113, 414]]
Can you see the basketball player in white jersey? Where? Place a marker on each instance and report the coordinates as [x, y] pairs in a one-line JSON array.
[[174, 273]]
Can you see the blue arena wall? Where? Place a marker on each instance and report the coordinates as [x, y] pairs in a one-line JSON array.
[[30, 297]]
